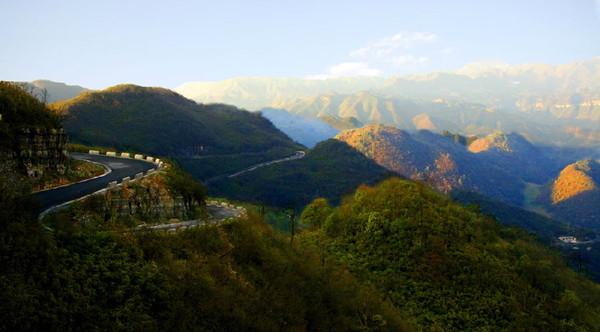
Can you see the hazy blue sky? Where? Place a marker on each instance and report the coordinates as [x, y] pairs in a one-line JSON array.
[[102, 43]]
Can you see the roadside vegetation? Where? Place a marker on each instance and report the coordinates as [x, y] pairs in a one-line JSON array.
[[77, 170], [395, 257]]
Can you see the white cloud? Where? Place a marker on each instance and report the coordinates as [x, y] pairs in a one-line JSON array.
[[450, 50], [403, 52], [348, 69], [353, 69], [385, 46], [409, 60]]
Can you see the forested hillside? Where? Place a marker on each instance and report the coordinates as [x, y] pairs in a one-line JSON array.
[[95, 274], [208, 140], [395, 257], [18, 111], [448, 266], [330, 169], [162, 122]]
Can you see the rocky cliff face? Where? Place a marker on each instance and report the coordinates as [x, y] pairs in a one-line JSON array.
[[39, 150], [148, 200]]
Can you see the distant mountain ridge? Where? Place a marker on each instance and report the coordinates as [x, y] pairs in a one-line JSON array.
[[478, 99], [49, 91], [305, 130], [254, 93], [473, 81]]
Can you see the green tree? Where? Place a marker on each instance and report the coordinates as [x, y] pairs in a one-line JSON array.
[[316, 212], [192, 191]]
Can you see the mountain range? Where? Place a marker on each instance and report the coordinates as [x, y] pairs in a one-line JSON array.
[[504, 167], [439, 161], [215, 139], [557, 105], [495, 85]]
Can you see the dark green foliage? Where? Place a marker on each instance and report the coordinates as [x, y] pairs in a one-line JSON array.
[[395, 257], [330, 169], [452, 268], [238, 277], [547, 229], [316, 213], [341, 124], [20, 110], [209, 168], [80, 148], [183, 184], [464, 140]]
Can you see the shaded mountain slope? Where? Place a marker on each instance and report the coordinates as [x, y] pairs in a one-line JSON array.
[[330, 169], [515, 154], [341, 124]]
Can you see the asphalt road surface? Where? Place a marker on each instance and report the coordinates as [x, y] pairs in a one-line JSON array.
[[118, 168]]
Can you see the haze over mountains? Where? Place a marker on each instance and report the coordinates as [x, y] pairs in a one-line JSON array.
[[491, 84], [305, 130], [532, 99]]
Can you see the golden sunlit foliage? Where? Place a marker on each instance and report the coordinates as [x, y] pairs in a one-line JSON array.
[[573, 180]]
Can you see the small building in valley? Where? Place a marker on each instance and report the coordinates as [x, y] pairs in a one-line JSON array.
[[568, 239]]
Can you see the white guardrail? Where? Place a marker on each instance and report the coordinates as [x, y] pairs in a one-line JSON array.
[[139, 176]]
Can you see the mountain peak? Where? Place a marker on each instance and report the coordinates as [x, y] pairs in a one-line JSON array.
[[576, 179], [506, 142]]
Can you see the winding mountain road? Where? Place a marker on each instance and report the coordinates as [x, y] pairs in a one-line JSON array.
[[297, 155], [116, 170], [119, 168]]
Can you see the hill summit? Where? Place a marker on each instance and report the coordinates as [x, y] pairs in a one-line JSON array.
[[162, 122], [576, 179]]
